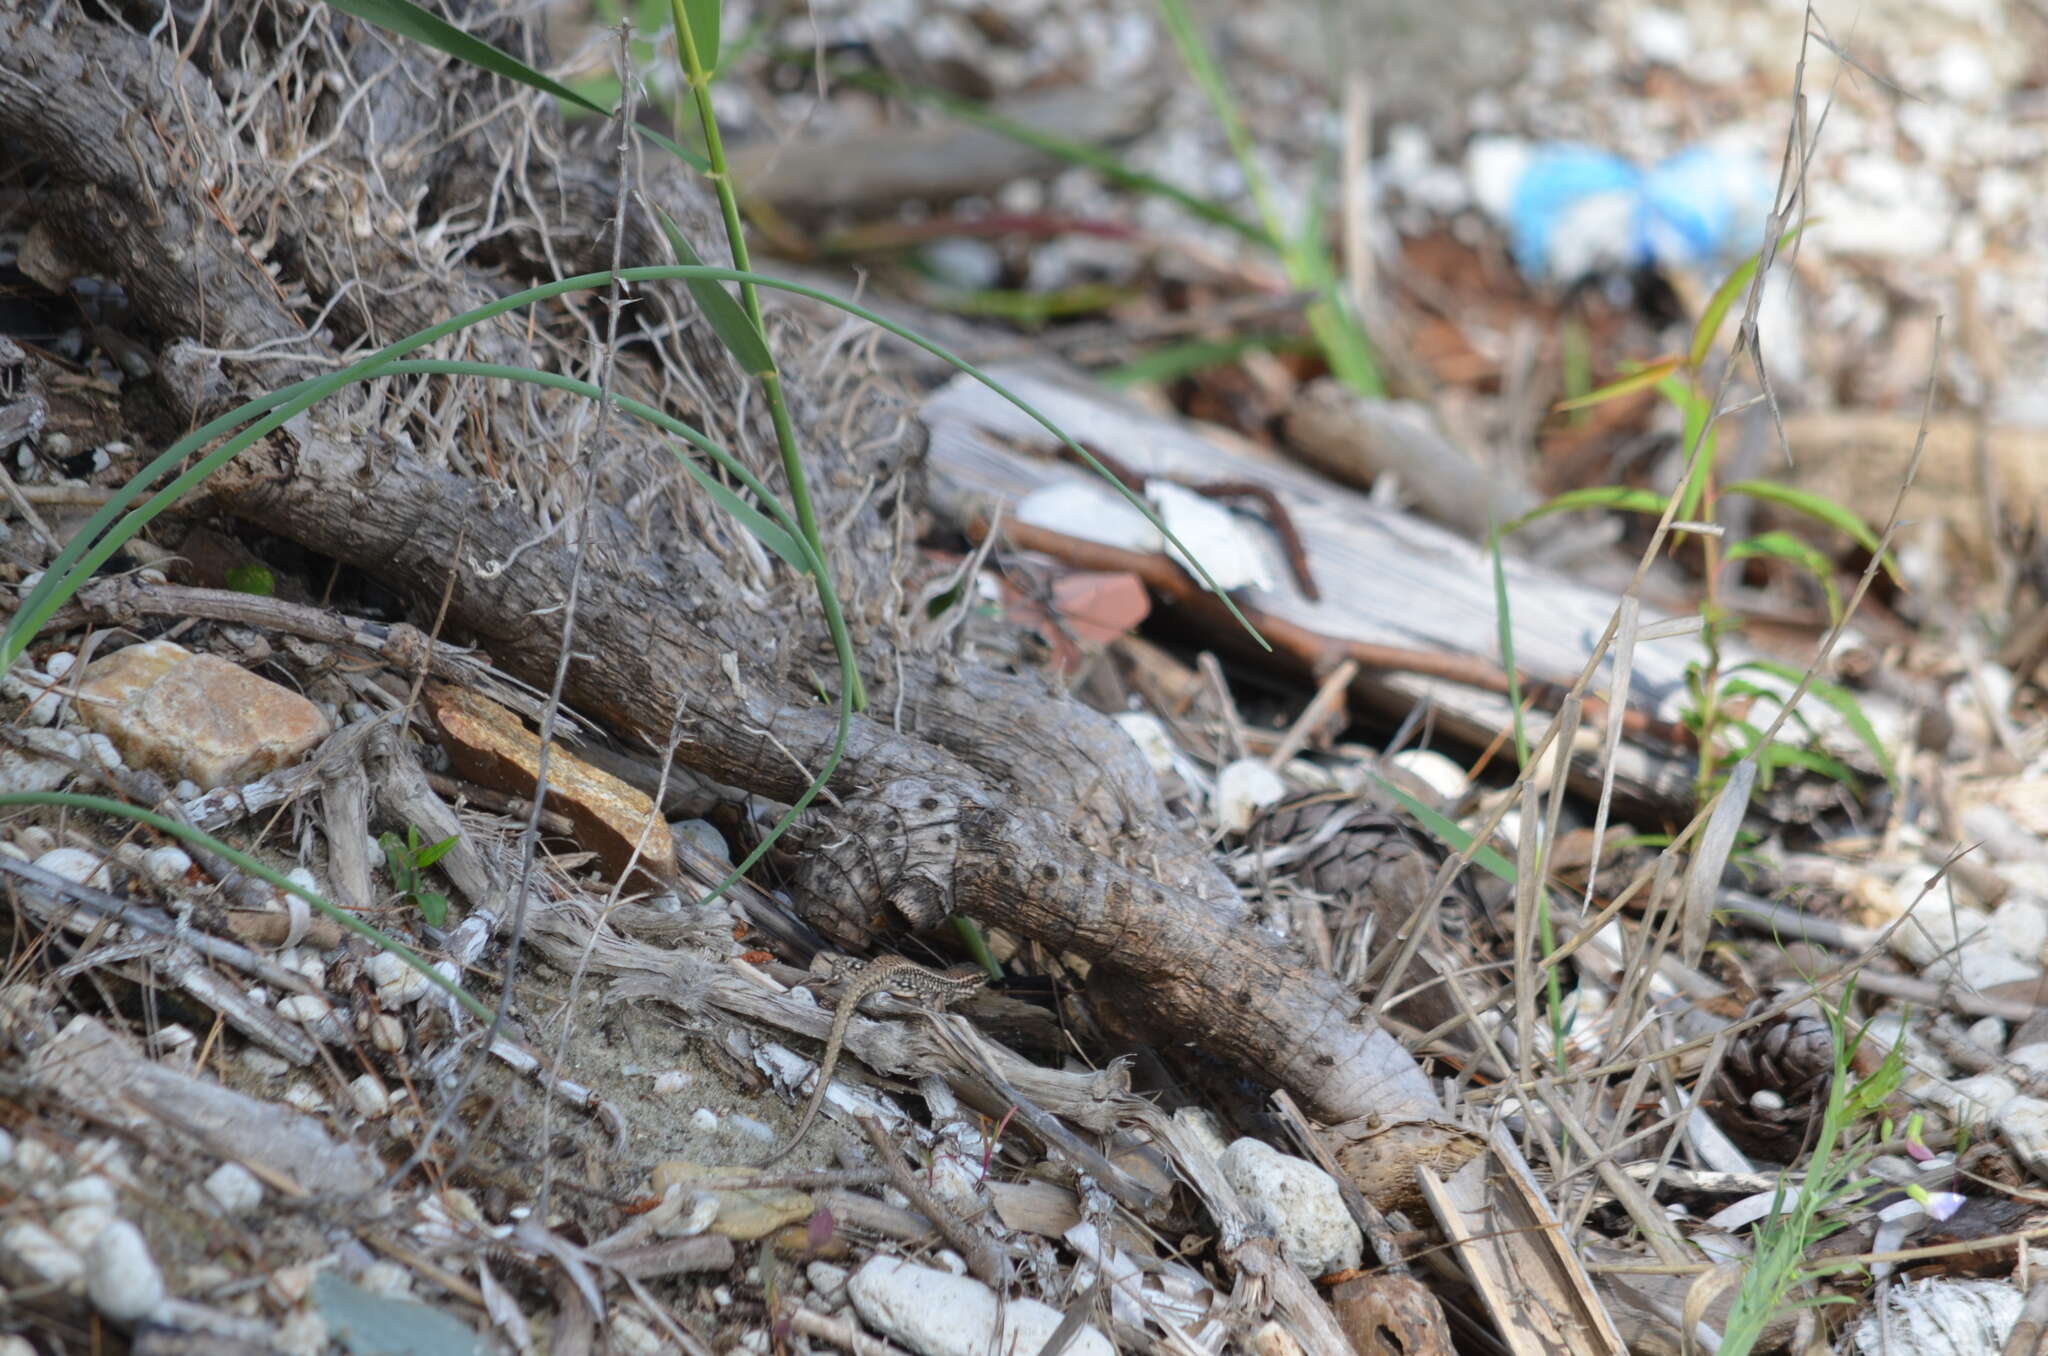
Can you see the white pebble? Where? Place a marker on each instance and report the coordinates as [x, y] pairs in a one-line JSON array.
[[263, 1064], [122, 1279], [670, 1083], [1935, 928], [1978, 1098], [1988, 966], [1298, 1202], [103, 752], [1439, 773], [35, 1160], [76, 864], [304, 1008], [91, 1189], [2021, 926], [386, 1278], [1243, 789], [81, 1224], [47, 705], [385, 968], [2033, 1058], [59, 663], [6, 1148], [630, 1337], [305, 1097], [704, 1118], [234, 1189], [41, 1253], [387, 1033], [934, 1312], [1987, 1034], [370, 1099], [167, 865], [2023, 1125]]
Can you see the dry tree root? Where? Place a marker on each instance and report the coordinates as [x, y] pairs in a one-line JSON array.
[[260, 232]]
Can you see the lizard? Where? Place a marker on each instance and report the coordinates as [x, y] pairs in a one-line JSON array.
[[893, 975]]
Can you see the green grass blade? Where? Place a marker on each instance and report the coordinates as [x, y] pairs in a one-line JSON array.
[[783, 538], [1821, 509], [1614, 390], [1592, 497], [408, 20], [703, 18], [728, 318], [105, 517], [763, 531], [71, 800], [1718, 305], [1448, 831], [675, 148], [1837, 699], [1784, 546], [278, 407]]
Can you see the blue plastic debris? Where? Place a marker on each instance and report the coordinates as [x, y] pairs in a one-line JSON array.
[[1572, 211]]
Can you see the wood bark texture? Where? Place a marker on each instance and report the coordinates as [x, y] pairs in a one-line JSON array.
[[261, 232]]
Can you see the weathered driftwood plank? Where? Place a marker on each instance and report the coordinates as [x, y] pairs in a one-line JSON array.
[[1387, 578]]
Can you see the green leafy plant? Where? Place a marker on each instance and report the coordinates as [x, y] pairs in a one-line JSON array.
[[1836, 1176], [1717, 693], [407, 861]]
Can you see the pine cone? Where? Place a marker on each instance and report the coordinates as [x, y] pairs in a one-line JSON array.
[[1774, 1081], [1366, 859]]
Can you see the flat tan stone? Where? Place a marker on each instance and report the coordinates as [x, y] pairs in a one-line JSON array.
[[196, 716], [492, 747]]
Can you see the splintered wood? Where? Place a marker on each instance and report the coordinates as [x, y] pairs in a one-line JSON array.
[[1516, 1253]]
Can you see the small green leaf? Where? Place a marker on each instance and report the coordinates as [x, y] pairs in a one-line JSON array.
[[702, 16], [728, 319], [1724, 298], [1447, 831], [434, 852], [1641, 379], [1785, 546], [751, 518], [1839, 700], [252, 578], [395, 857], [1742, 687], [408, 20], [1779, 754], [1821, 509], [1596, 496], [674, 148], [433, 907]]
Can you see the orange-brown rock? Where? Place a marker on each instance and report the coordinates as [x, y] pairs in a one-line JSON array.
[[492, 747], [196, 715]]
